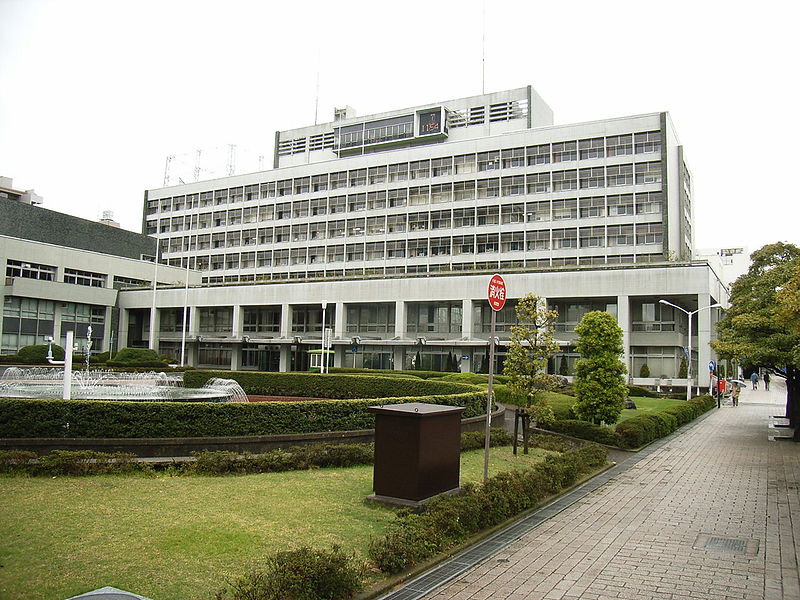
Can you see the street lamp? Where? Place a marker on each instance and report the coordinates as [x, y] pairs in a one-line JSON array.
[[689, 314]]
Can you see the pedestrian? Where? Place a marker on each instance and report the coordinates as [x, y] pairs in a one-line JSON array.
[[766, 381], [754, 378], [735, 394]]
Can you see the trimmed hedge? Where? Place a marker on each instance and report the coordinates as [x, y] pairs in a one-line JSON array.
[[296, 458], [585, 431], [334, 385], [390, 372], [450, 520], [29, 418], [643, 429]]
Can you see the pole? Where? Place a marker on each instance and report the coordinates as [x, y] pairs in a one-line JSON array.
[[322, 357], [68, 366], [185, 310], [489, 399], [689, 365], [152, 341]]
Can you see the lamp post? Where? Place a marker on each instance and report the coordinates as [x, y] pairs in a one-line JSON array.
[[689, 314], [323, 357]]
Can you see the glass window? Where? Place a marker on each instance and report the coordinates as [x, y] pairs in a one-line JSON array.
[[512, 213], [565, 209], [620, 205], [649, 141], [565, 180], [488, 215], [488, 161], [397, 197], [464, 217], [538, 211], [377, 175], [538, 240], [648, 172], [376, 200], [464, 163], [489, 188], [420, 169], [591, 148], [565, 151], [441, 166], [538, 155], [565, 238], [592, 207], [513, 157], [592, 178], [398, 172], [619, 145]]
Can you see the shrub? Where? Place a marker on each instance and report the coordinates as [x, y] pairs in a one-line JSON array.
[[31, 418], [475, 440], [643, 429], [585, 431], [334, 385], [301, 574], [644, 371], [137, 357], [37, 355], [640, 392], [450, 520]]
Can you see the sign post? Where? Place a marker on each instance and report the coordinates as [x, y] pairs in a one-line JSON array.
[[497, 300]]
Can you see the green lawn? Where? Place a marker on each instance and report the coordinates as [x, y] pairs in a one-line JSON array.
[[647, 405], [175, 538]]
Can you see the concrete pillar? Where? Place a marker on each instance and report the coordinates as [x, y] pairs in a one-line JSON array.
[[120, 339], [236, 356], [285, 361], [467, 322], [399, 355], [338, 321], [400, 329], [237, 323], [624, 320], [286, 322]]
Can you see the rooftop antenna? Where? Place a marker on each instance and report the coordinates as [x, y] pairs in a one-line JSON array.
[[197, 155], [170, 158], [483, 51], [316, 96], [231, 159]]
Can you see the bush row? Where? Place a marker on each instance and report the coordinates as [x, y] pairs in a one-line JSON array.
[[585, 431], [28, 418], [643, 429], [639, 430], [334, 385], [296, 458], [448, 521]]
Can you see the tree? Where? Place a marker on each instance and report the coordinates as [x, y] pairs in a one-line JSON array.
[[564, 368], [762, 325], [531, 346], [600, 387], [683, 370]]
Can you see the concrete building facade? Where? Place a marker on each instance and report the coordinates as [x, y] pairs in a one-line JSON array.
[[391, 225]]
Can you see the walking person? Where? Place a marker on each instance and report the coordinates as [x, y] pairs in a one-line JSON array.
[[735, 394], [766, 381], [754, 378]]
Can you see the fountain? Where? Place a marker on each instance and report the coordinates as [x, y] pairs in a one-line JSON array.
[[46, 382]]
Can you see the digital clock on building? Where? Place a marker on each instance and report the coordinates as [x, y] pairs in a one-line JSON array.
[[430, 122]]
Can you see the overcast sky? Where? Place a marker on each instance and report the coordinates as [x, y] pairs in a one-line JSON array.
[[96, 94]]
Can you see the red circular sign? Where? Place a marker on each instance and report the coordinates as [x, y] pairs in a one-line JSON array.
[[497, 293]]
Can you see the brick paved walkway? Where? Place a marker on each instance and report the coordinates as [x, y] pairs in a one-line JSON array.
[[712, 514]]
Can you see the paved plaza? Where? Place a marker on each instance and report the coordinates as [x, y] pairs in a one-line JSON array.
[[712, 512]]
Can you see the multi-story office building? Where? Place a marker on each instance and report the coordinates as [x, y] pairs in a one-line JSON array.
[[390, 224], [64, 274]]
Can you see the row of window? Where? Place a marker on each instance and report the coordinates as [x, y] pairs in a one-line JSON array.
[[461, 266], [645, 203], [27, 270], [646, 173], [524, 156], [611, 236]]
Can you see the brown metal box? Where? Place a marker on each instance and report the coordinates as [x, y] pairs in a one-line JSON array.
[[417, 450]]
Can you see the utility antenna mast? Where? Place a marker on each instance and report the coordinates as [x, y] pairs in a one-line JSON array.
[[483, 51], [231, 159], [197, 156], [170, 158]]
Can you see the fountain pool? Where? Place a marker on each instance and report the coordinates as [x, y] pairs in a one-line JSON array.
[[43, 382]]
